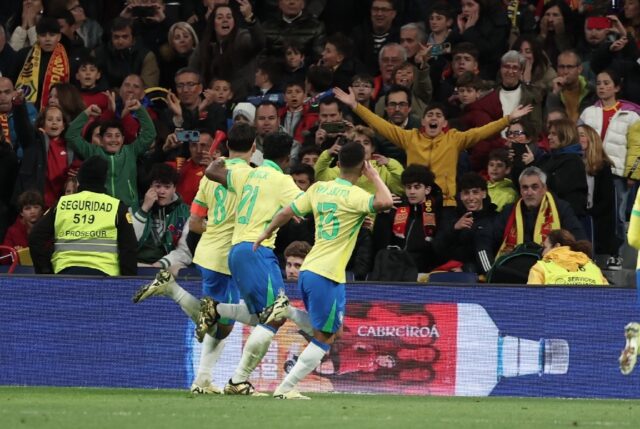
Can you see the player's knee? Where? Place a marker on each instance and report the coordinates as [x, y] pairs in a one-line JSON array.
[[223, 331], [324, 337]]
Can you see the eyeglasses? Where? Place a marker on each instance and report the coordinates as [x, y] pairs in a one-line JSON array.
[[187, 85], [567, 66], [515, 133], [394, 105]]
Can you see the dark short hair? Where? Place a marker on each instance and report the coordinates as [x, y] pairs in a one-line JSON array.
[[309, 149], [120, 23], [304, 169], [271, 68], [500, 154], [418, 173], [266, 103], [185, 70], [320, 77], [48, 24], [30, 197], [328, 101], [294, 82], [343, 44], [397, 88], [363, 78], [88, 60], [351, 155], [90, 128], [469, 80], [241, 136], [471, 180], [113, 123], [466, 48], [298, 249], [66, 15], [435, 106], [277, 146], [442, 8], [163, 173]]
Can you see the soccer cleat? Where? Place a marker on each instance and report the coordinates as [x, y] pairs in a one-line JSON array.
[[291, 394], [205, 388], [276, 311], [629, 355], [243, 388], [159, 286], [614, 263], [207, 317]]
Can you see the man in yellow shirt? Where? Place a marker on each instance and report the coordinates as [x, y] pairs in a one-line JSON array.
[[339, 209], [629, 355]]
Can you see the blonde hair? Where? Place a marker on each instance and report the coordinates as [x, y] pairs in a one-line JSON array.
[[185, 27], [595, 158], [566, 131], [361, 130]]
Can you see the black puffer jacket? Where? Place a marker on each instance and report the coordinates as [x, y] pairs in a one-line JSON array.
[[308, 31]]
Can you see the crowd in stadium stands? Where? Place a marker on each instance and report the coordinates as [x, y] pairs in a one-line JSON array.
[[428, 87]]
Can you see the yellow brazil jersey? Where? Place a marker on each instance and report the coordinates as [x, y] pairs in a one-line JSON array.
[[339, 208], [218, 205], [261, 193], [633, 234]]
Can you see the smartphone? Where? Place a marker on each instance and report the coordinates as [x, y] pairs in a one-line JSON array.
[[334, 127], [440, 49], [519, 149], [188, 135]]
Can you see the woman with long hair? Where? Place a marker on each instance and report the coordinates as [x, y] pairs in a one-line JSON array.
[[228, 51], [182, 41], [556, 29], [566, 261], [601, 199], [566, 176], [537, 68], [631, 18], [618, 124], [66, 97]]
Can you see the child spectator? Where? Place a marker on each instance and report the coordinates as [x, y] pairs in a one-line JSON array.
[[244, 112], [88, 75], [122, 180], [267, 79], [309, 155], [303, 176], [296, 116], [294, 256], [47, 161], [30, 209], [162, 222], [500, 186], [220, 92], [294, 60]]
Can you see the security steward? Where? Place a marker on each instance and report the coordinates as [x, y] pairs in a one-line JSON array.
[[87, 233]]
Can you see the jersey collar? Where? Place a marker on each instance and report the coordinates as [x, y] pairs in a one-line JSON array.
[[344, 182], [235, 161], [271, 164]]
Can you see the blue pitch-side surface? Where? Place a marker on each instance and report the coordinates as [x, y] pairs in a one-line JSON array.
[[85, 332]]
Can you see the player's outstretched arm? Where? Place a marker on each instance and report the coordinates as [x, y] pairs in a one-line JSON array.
[[217, 172], [382, 200], [281, 218]]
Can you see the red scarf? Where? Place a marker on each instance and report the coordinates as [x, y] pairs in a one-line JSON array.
[[58, 70], [4, 121], [401, 219]]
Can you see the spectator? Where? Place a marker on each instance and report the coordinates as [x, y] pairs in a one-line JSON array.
[[412, 35], [49, 57], [109, 253], [174, 55], [266, 82], [618, 124], [297, 117], [228, 51], [67, 98], [538, 71], [556, 29], [162, 222], [631, 11], [469, 240], [22, 25], [485, 24], [122, 181], [398, 111], [294, 256], [391, 56], [414, 221], [571, 90], [362, 87], [500, 187], [124, 55], [8, 174], [309, 155], [303, 176], [190, 173], [294, 23], [566, 261], [441, 37], [7, 54], [601, 200], [375, 32], [389, 170], [88, 75], [338, 56], [244, 112], [266, 122], [534, 215], [7, 120], [149, 22], [464, 59], [89, 30], [563, 165], [295, 65], [70, 39], [189, 110], [523, 150], [596, 28], [30, 210], [220, 92], [48, 159], [328, 113], [431, 145]]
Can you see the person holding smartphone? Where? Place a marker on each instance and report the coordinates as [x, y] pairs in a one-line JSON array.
[[523, 151]]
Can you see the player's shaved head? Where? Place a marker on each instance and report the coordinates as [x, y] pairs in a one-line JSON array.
[[351, 156], [277, 146], [241, 137]]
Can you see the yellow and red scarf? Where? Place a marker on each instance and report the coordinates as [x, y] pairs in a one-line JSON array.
[[4, 121], [546, 221], [58, 70], [401, 218]]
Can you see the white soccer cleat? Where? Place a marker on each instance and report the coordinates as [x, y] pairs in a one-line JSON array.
[[205, 388], [629, 355], [291, 394], [159, 286], [276, 311]]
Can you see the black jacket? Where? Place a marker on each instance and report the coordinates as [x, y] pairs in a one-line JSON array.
[[566, 176], [306, 30], [363, 45]]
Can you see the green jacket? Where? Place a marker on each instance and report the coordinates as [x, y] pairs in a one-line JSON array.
[[122, 173], [502, 193]]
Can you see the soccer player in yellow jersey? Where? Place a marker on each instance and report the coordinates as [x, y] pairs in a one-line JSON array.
[[339, 209], [217, 206], [261, 193], [632, 330]]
